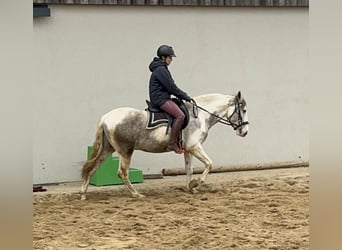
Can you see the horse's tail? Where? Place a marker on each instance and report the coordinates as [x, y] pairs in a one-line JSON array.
[[97, 150]]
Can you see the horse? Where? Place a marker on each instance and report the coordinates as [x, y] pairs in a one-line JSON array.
[[123, 130]]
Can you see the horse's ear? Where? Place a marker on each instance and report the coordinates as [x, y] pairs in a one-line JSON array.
[[239, 95]]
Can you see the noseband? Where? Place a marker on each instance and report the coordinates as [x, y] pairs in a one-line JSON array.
[[223, 120], [240, 123]]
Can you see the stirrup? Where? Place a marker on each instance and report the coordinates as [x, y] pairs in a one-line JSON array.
[[179, 149]]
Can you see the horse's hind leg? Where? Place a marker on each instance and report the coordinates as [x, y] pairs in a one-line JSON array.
[[107, 150], [201, 155], [125, 161]]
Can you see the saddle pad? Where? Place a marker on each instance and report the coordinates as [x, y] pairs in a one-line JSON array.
[[155, 120]]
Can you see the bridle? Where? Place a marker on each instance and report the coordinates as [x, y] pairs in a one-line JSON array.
[[223, 120]]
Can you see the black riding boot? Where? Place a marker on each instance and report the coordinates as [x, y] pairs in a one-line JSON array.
[[173, 143]]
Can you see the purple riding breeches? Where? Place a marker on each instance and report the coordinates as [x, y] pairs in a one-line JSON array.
[[172, 108]]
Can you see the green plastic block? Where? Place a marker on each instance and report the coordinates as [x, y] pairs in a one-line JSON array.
[[106, 174]]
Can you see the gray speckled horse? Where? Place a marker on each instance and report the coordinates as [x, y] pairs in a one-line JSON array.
[[124, 130]]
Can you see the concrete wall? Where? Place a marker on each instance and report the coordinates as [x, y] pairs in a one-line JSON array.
[[91, 59]]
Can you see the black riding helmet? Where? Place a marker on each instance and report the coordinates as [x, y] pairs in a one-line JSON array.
[[165, 50]]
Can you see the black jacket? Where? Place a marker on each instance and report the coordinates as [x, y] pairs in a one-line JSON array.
[[162, 86]]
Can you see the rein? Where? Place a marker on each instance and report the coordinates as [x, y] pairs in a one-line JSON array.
[[222, 120]]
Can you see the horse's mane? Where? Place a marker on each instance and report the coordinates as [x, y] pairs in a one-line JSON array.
[[208, 98]]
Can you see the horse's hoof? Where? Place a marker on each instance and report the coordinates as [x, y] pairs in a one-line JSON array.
[[193, 191], [139, 196], [83, 197], [194, 183]]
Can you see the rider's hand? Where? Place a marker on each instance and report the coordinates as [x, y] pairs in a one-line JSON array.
[[188, 99]]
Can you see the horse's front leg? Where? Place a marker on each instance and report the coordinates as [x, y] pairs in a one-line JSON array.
[[188, 168], [201, 155]]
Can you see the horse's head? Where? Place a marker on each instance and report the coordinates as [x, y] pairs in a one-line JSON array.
[[237, 115]]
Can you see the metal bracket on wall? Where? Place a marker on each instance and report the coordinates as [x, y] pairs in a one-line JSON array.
[[41, 10]]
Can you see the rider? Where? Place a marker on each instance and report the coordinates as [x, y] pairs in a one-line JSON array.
[[161, 87]]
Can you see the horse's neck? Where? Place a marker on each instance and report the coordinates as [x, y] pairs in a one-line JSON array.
[[216, 104]]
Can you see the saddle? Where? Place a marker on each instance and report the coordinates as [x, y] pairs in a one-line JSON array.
[[157, 117]]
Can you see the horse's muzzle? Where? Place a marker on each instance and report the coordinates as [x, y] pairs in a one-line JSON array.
[[239, 133]]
